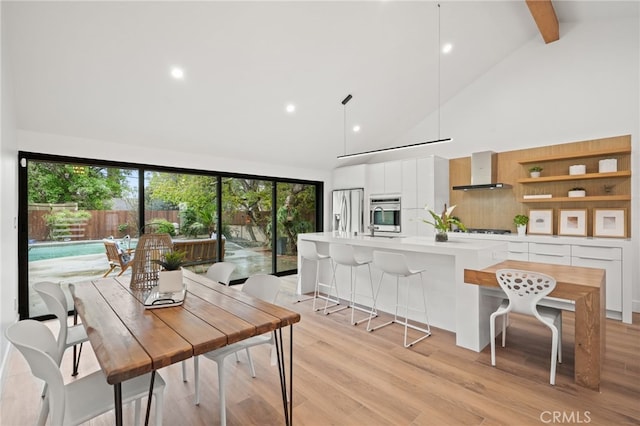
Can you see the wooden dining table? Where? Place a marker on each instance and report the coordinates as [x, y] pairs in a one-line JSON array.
[[129, 340], [587, 288]]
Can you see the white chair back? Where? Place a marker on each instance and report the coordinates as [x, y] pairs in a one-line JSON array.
[[221, 272], [308, 250], [391, 263], [343, 254], [524, 289], [262, 286], [39, 347], [56, 301]]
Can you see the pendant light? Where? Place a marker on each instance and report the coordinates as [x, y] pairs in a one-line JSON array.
[[402, 147]]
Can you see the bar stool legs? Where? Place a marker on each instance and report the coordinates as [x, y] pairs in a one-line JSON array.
[[395, 264], [343, 254], [308, 252]]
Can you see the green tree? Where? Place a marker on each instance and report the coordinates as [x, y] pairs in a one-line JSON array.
[[92, 187], [195, 195]]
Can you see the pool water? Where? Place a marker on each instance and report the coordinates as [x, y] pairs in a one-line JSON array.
[[55, 250]]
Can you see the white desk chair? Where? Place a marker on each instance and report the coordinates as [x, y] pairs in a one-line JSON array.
[[345, 255], [265, 287], [219, 272], [395, 264], [68, 336], [83, 398], [525, 289], [309, 253]]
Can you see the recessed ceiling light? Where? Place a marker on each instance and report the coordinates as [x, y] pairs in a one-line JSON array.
[[356, 128], [177, 73], [290, 108], [447, 47]]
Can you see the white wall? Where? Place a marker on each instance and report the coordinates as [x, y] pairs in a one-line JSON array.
[[584, 86], [8, 213]]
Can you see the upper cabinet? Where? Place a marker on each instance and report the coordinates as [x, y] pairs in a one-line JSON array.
[[384, 178], [425, 183], [350, 177]]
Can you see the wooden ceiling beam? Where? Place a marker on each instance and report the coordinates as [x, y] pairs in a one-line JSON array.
[[546, 19]]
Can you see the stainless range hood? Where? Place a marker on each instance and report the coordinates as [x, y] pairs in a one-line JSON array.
[[484, 172]]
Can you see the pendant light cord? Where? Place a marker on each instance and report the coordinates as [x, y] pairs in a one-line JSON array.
[[439, 59], [344, 127]]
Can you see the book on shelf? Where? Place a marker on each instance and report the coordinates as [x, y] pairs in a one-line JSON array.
[[533, 196]]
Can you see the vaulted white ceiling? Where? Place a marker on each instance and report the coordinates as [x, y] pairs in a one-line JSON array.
[[100, 70]]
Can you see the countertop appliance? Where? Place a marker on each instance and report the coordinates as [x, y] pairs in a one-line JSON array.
[[484, 172], [348, 210], [385, 213]]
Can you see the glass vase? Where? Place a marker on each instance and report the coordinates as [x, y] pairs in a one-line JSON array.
[[441, 237]]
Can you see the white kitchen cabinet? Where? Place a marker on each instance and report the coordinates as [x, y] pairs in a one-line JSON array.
[[425, 182], [409, 184], [518, 250], [611, 255], [558, 254], [432, 174], [609, 259], [384, 178], [350, 177]]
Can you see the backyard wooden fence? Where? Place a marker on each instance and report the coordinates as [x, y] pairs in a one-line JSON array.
[[106, 223], [102, 224]]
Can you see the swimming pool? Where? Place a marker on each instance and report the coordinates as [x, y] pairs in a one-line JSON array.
[[46, 251]]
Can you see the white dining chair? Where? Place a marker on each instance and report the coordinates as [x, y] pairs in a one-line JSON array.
[[219, 272], [68, 336], [265, 287], [84, 398], [524, 290]]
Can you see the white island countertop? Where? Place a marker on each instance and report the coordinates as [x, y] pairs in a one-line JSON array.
[[415, 244], [453, 305]]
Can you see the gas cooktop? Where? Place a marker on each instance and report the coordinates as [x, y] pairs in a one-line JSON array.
[[485, 231]]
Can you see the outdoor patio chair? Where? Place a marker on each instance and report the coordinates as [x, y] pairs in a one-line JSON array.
[[117, 257]]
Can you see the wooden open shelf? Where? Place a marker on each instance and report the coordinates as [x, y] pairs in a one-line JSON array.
[[577, 199], [621, 174], [574, 155]]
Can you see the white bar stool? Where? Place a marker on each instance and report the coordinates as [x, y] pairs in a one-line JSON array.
[[396, 264], [309, 252], [345, 255]]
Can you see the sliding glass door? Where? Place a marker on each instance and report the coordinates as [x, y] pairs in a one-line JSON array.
[[69, 206]]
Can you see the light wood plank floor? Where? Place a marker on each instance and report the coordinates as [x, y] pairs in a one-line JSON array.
[[346, 376]]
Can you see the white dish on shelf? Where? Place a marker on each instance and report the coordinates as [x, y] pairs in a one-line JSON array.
[[578, 169], [608, 165]]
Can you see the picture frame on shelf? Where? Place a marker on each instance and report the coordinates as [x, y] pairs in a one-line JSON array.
[[572, 222], [540, 222], [610, 223]]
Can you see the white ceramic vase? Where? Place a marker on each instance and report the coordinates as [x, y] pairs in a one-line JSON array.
[[522, 230], [170, 281], [535, 174]]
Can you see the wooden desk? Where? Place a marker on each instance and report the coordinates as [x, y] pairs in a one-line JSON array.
[[130, 340], [585, 286]]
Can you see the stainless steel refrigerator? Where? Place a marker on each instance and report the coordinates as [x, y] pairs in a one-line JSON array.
[[348, 210]]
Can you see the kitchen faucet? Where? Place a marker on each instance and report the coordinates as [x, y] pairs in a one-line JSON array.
[[373, 227]]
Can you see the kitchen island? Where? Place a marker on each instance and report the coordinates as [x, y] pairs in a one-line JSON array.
[[452, 305]]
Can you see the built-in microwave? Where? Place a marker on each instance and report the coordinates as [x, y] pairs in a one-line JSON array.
[[385, 213]]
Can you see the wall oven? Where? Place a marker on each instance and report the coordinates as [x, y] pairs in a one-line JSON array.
[[385, 213]]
